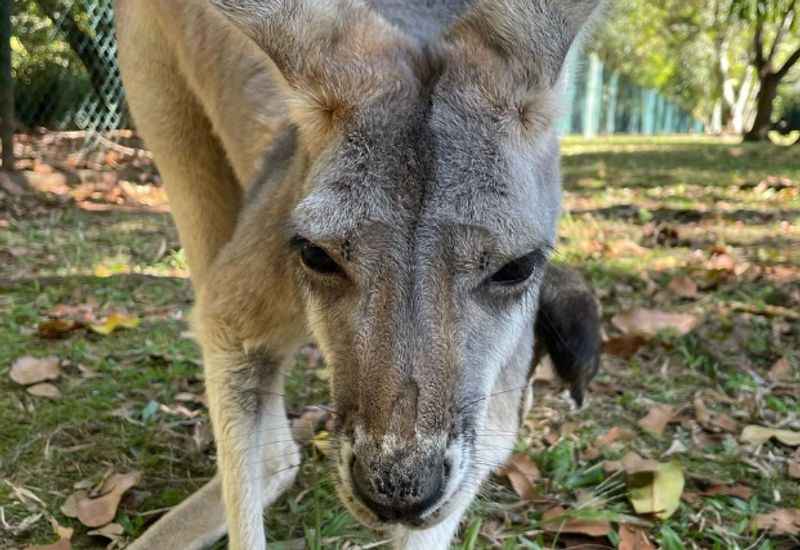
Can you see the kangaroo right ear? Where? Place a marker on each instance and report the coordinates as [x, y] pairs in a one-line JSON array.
[[515, 51], [331, 54]]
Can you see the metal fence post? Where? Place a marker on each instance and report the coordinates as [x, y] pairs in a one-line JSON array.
[[594, 89], [6, 87]]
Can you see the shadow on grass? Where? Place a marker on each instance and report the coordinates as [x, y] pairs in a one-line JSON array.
[[697, 164]]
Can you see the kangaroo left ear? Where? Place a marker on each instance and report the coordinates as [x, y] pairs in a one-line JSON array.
[[535, 36], [514, 51], [568, 329]]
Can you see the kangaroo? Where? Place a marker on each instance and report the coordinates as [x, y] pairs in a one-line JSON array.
[[380, 177]]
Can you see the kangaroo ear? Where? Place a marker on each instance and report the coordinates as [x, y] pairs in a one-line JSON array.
[[568, 328], [516, 49], [331, 54]]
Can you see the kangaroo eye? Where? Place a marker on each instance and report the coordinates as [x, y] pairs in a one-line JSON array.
[[316, 259], [517, 271]]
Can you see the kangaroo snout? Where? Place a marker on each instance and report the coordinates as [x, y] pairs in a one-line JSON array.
[[401, 486]]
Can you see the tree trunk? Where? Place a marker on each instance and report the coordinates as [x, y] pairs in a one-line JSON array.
[[79, 42], [6, 87], [764, 106]]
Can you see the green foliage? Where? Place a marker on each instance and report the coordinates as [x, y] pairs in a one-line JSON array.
[[49, 79]]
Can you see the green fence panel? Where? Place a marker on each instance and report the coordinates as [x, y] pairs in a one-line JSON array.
[[69, 79]]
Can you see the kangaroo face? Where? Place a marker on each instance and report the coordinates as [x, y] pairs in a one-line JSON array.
[[425, 213], [420, 249]]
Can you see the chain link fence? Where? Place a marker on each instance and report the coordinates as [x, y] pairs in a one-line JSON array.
[[67, 82]]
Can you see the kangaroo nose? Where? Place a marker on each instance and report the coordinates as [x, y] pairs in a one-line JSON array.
[[397, 491]]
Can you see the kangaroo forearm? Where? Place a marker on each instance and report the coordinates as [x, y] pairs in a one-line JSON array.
[[194, 524]]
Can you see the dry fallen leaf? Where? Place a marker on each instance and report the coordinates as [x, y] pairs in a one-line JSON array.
[[656, 492], [657, 419], [739, 491], [649, 322], [781, 370], [522, 473], [555, 521], [70, 506], [62, 544], [610, 437], [115, 321], [624, 346], [632, 537], [64, 538], [94, 512], [758, 435], [783, 521], [633, 464], [683, 287], [794, 469], [44, 389], [711, 421], [308, 423], [57, 328], [31, 370]]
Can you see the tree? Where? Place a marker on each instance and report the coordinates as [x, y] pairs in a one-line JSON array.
[[86, 47], [775, 20], [6, 88]]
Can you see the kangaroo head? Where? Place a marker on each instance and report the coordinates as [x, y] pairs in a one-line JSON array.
[[422, 214]]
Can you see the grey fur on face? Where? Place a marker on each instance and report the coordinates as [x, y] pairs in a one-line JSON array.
[[431, 183]]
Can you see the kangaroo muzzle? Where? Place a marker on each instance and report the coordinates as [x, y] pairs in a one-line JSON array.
[[400, 484]]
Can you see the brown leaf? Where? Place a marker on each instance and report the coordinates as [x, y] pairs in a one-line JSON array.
[[633, 464], [657, 419], [70, 506], [649, 322], [758, 435], [692, 498], [57, 328], [722, 262], [684, 287], [783, 521], [632, 537], [30, 370], [794, 469], [614, 434], [780, 371], [44, 389], [522, 473], [94, 512], [64, 538], [714, 422], [308, 423], [624, 346], [554, 521], [611, 436], [739, 491], [62, 544]]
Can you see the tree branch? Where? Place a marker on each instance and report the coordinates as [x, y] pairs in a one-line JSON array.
[[786, 24], [758, 44], [793, 59]]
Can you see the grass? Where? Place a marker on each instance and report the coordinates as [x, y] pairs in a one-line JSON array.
[[624, 199]]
